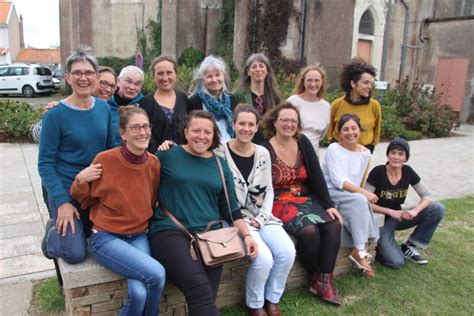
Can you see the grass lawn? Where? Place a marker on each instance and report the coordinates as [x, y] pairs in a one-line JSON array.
[[445, 286]]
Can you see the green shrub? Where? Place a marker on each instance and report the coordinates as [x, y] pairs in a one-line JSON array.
[[392, 125], [48, 295], [185, 77], [116, 63], [190, 57], [149, 84], [17, 118]]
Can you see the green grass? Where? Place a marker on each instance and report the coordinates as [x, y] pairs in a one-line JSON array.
[[48, 297], [445, 286]]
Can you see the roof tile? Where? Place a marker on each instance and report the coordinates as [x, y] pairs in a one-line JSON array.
[[34, 55]]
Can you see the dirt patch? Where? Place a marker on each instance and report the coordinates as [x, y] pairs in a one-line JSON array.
[[35, 306], [4, 138]]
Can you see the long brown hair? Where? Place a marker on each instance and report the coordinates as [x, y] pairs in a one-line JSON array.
[[271, 117]]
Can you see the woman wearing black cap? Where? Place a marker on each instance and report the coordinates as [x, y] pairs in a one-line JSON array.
[[390, 183]]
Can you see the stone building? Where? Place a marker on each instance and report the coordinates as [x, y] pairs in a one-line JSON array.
[[11, 32]]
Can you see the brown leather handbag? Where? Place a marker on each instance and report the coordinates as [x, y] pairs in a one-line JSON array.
[[214, 247]]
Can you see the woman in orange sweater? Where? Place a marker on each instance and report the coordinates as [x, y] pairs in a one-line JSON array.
[[121, 188]]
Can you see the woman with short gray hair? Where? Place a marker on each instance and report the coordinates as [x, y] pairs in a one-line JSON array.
[[210, 93]]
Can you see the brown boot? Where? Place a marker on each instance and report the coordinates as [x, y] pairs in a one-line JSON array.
[[257, 311], [326, 290], [272, 309]]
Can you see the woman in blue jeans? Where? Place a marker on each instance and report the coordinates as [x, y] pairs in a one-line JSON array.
[[252, 169], [73, 133], [120, 187], [390, 183]]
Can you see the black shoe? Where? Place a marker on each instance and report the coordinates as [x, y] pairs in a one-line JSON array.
[[412, 254], [44, 242]]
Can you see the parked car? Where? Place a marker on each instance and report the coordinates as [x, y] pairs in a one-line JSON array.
[[26, 79], [57, 84], [58, 74]]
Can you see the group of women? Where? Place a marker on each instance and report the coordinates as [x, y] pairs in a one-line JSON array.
[[271, 169]]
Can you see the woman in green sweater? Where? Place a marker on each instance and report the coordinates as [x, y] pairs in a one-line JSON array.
[[192, 190]]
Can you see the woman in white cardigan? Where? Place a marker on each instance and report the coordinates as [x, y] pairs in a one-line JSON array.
[[251, 167]]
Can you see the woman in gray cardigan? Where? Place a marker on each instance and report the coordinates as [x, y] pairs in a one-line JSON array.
[[251, 167]]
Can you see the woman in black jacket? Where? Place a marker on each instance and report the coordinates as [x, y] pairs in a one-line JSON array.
[[166, 107], [210, 93], [302, 200]]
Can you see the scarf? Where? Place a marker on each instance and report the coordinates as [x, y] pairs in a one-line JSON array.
[[361, 101], [131, 157], [219, 108]]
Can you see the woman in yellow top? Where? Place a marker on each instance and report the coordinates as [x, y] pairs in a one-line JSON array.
[[357, 81]]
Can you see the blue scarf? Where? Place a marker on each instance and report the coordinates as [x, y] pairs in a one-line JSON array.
[[219, 108]]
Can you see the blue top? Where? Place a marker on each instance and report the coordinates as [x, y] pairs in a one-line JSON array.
[[114, 106], [70, 139], [191, 189]]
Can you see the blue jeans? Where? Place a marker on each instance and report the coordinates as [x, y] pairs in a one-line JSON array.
[[426, 223], [129, 256], [267, 273], [72, 248]]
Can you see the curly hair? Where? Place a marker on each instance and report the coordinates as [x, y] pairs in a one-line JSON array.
[[353, 71], [271, 117], [299, 89]]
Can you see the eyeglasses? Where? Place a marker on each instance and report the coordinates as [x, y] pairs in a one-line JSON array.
[[129, 82], [104, 84], [77, 74], [288, 120], [135, 128]]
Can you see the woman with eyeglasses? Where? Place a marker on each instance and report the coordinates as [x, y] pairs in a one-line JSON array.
[[302, 200], [73, 133], [120, 188], [166, 107], [128, 92]]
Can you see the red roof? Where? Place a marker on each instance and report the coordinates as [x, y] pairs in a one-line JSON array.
[[34, 55], [5, 8]]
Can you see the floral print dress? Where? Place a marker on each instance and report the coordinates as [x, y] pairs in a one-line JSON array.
[[294, 204]]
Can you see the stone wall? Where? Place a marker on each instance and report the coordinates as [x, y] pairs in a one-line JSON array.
[[90, 289]]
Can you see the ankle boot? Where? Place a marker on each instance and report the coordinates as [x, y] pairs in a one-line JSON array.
[[314, 279], [326, 290]]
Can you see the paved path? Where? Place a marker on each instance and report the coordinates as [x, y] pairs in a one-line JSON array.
[[446, 165]]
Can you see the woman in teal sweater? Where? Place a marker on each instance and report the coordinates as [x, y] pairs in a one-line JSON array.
[[73, 133], [192, 190]]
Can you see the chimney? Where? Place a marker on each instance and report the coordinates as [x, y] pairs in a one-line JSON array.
[[22, 37]]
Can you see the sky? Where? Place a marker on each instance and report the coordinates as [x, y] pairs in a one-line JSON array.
[[40, 22]]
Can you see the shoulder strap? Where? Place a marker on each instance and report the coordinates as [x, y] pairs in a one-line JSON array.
[[176, 222], [224, 185]]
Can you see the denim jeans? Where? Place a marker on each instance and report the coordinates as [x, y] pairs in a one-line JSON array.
[[129, 256], [426, 223], [72, 248], [267, 273]]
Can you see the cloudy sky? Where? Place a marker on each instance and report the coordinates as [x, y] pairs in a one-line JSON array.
[[40, 22]]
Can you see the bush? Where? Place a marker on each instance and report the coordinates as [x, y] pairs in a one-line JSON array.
[[17, 118], [116, 63], [392, 125], [286, 83], [190, 57], [420, 109]]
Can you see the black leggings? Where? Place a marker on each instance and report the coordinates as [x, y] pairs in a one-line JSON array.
[[198, 284], [317, 246]]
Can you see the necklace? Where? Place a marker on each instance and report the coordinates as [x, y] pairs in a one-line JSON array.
[[260, 107]]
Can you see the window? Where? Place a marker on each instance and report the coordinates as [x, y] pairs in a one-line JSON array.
[[366, 25], [3, 71], [42, 71], [16, 71]]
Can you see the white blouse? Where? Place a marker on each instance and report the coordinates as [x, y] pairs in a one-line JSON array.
[[341, 164]]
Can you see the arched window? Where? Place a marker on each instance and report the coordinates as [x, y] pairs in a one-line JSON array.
[[366, 25]]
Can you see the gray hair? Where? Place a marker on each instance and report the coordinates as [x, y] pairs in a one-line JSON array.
[[210, 62], [131, 69], [81, 54]]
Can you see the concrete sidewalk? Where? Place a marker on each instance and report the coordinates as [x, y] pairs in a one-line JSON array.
[[446, 165]]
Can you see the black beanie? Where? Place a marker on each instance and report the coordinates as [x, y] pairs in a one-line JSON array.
[[399, 143]]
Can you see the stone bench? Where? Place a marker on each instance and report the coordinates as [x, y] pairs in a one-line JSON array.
[[91, 289]]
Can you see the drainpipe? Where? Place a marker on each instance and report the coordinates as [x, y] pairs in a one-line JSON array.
[[385, 40], [404, 44], [302, 27]]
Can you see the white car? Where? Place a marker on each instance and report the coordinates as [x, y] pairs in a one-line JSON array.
[[57, 84], [26, 79]]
